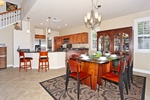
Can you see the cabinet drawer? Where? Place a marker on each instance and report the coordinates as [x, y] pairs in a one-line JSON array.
[[2, 62]]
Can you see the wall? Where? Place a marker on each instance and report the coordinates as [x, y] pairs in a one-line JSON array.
[[119, 22], [6, 35]]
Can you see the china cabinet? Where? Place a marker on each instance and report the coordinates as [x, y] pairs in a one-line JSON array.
[[118, 41]]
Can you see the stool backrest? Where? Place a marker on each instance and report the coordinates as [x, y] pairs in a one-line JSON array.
[[21, 54], [43, 54]]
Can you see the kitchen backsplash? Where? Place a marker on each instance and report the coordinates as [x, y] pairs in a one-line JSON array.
[[80, 45]]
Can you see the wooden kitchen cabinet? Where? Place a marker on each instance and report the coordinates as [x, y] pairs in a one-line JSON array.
[[57, 43], [79, 38], [75, 38], [3, 57], [84, 37], [71, 39], [37, 36]]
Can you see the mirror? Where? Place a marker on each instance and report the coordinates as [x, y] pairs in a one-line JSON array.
[[125, 42], [107, 44], [117, 43], [100, 43]]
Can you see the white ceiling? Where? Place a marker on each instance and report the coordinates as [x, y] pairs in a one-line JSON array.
[[72, 12]]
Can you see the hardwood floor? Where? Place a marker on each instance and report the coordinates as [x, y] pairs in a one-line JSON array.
[[15, 85]]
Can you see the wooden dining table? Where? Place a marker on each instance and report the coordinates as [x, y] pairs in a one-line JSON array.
[[96, 68]]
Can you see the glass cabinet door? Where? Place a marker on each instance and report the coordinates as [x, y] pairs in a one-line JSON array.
[[107, 43], [100, 43], [125, 42], [117, 42]]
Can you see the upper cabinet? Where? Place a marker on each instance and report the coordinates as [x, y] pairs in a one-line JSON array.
[[118, 41], [37, 36]]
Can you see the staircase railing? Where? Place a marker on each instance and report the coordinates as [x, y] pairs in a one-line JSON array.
[[11, 17]]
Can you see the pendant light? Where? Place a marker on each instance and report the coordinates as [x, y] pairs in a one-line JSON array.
[[1, 2], [28, 29], [49, 30]]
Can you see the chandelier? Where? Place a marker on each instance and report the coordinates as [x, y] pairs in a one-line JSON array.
[[93, 19], [49, 30]]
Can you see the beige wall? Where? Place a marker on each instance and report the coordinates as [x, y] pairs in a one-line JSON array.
[[6, 37], [118, 22]]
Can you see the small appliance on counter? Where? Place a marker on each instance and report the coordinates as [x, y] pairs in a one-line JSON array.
[[37, 48]]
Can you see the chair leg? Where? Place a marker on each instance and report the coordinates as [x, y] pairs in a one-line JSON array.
[[121, 90], [26, 66], [19, 66], [128, 76], [78, 87], [67, 77], [39, 67], [30, 65]]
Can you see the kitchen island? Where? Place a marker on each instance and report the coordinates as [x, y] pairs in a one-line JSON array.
[[56, 59]]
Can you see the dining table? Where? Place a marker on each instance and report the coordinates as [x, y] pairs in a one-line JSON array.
[[96, 67]]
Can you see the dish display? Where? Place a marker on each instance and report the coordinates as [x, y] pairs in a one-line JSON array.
[[85, 58], [102, 58], [113, 56]]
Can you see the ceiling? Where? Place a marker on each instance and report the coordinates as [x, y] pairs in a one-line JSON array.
[[72, 12]]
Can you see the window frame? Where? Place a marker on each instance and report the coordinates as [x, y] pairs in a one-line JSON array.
[[94, 31], [136, 42]]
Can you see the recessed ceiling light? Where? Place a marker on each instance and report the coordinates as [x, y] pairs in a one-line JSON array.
[[58, 26], [41, 23], [47, 20], [65, 24]]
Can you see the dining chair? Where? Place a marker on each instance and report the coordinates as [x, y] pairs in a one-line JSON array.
[[130, 72], [43, 61], [25, 62], [74, 70], [120, 78]]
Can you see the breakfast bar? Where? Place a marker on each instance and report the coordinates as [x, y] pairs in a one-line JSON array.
[[56, 59]]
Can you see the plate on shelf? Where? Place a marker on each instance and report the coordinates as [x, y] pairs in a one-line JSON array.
[[113, 56], [102, 58]]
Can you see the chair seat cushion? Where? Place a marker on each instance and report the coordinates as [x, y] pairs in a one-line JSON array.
[[82, 75], [111, 76], [27, 58]]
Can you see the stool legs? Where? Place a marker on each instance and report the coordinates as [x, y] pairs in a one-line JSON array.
[[43, 65]]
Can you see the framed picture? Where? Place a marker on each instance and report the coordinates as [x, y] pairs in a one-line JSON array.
[[11, 6]]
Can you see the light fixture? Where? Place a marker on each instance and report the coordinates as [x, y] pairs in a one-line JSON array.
[[93, 19], [49, 30], [1, 2], [28, 30]]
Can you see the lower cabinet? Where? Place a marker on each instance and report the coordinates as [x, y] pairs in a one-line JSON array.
[[3, 57]]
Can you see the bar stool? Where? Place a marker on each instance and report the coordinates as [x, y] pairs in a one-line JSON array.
[[43, 60], [25, 62]]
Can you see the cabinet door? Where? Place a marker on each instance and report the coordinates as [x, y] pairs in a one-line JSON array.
[[3, 56], [75, 38], [71, 39], [57, 43], [79, 38], [84, 37]]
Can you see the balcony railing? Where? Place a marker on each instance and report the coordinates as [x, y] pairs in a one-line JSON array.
[[11, 17]]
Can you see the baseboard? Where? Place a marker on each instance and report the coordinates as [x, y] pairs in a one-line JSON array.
[[141, 71], [10, 65]]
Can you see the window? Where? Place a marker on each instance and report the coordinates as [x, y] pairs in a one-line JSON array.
[[142, 34], [94, 39]]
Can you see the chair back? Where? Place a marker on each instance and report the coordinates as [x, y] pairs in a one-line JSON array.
[[122, 66], [43, 54], [21, 54], [74, 56], [73, 65]]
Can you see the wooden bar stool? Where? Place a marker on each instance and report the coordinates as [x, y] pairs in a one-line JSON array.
[[25, 62], [43, 60]]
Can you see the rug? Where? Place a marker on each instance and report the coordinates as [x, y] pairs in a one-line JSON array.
[[56, 88]]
